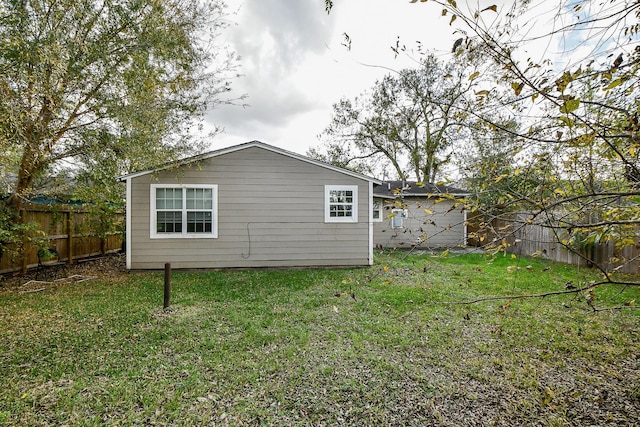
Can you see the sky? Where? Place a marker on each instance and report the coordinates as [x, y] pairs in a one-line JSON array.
[[295, 66]]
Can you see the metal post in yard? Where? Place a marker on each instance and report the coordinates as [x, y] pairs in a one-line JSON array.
[[167, 285]]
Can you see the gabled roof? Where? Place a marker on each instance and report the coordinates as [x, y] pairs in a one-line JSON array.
[[245, 146], [392, 189]]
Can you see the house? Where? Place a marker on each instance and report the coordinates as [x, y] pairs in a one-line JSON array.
[[411, 214], [250, 205]]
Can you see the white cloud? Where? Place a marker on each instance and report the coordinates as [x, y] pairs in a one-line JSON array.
[[295, 65]]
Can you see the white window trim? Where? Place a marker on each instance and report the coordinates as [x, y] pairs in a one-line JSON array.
[[184, 235], [327, 192]]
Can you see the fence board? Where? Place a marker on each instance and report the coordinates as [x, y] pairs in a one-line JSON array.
[[60, 227], [535, 239]]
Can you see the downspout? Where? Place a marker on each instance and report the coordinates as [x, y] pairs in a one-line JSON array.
[[370, 223], [128, 225]]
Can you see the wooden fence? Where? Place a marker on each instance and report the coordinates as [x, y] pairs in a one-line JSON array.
[[71, 231], [523, 238]]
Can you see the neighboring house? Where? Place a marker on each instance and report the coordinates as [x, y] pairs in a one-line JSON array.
[[409, 214], [251, 205]]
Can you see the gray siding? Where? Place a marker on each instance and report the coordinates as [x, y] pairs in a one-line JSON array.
[[270, 214], [441, 229]]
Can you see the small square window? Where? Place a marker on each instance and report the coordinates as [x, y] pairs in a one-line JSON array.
[[341, 203]]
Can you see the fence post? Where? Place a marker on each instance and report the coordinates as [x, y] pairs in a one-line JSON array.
[[26, 246], [69, 238], [167, 285]]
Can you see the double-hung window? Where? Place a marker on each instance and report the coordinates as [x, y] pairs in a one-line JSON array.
[[376, 212], [341, 203], [184, 211]]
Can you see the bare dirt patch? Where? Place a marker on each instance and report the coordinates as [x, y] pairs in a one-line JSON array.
[[108, 266]]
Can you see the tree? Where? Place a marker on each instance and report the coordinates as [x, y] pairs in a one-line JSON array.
[[104, 86], [578, 106], [489, 164], [410, 119], [584, 155]]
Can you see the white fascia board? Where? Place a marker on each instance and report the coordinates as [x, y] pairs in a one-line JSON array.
[[251, 144]]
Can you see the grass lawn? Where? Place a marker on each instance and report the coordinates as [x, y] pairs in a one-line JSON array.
[[378, 346]]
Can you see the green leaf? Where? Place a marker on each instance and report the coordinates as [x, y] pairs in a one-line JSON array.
[[616, 82], [567, 121], [570, 106], [563, 82]]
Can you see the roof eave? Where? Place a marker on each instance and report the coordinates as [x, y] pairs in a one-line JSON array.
[[244, 146], [431, 195]]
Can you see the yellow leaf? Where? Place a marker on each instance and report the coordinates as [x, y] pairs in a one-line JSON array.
[[474, 75], [444, 12], [501, 177], [492, 7], [452, 3], [453, 18], [517, 88], [429, 211], [385, 268]]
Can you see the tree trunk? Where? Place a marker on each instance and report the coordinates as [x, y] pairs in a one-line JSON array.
[[30, 166]]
